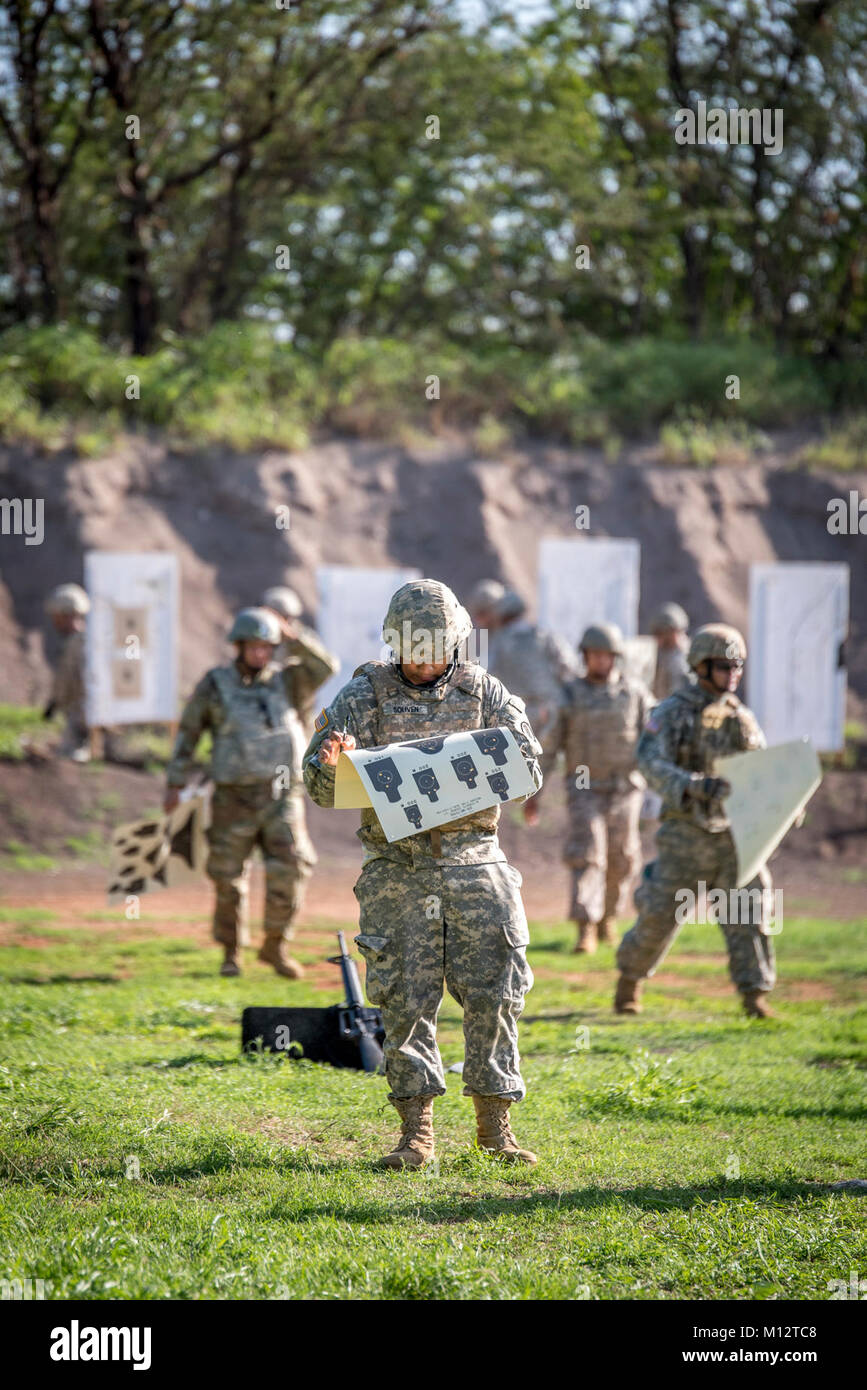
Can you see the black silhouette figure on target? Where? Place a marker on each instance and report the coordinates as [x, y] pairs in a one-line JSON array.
[[426, 781], [465, 770], [413, 814], [498, 783], [427, 745], [385, 777], [494, 743]]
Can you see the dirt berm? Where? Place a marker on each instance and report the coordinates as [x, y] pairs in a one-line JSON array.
[[456, 516]]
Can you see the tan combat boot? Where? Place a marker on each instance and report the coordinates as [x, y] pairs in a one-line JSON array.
[[626, 996], [755, 1005], [231, 954], [586, 943], [494, 1133], [273, 952], [416, 1146], [608, 932]]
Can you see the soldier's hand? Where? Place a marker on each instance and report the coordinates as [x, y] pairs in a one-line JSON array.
[[531, 812], [171, 800], [331, 747], [714, 787]]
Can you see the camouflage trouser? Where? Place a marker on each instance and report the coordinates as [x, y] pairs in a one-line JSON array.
[[688, 855], [241, 818], [603, 849], [76, 734], [462, 923]]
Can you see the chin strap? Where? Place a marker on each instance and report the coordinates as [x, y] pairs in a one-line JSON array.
[[429, 685]]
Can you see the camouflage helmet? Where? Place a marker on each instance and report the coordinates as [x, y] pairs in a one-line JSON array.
[[485, 595], [425, 620], [255, 625], [283, 600], [668, 617], [716, 641], [602, 637], [67, 598], [511, 605]]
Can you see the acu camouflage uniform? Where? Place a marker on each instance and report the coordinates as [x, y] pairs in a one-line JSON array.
[[310, 664], [598, 727], [535, 665], [442, 904], [67, 692], [683, 738], [671, 671], [256, 732]]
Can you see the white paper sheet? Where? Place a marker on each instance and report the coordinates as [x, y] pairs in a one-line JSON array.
[[415, 786], [352, 604], [770, 788], [795, 682], [639, 659], [588, 581], [131, 665]]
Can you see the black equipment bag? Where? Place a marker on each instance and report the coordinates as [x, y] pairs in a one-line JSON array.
[[311, 1033]]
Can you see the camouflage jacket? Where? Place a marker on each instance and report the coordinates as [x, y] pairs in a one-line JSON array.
[[310, 664], [671, 671], [599, 726], [378, 707], [681, 742], [532, 663], [67, 690], [255, 728]]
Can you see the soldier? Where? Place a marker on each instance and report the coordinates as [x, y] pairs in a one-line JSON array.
[[598, 728], [483, 601], [68, 606], [535, 665], [669, 625], [440, 904], [256, 765], [684, 736], [311, 663]]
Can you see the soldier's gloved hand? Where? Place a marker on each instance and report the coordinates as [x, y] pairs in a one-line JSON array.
[[711, 788], [48, 712]]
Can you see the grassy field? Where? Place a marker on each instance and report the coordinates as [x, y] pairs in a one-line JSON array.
[[684, 1154]]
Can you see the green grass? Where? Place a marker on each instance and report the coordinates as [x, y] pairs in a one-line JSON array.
[[683, 1154], [21, 857], [18, 720]]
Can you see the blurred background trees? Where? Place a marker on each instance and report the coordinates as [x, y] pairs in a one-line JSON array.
[[155, 155]]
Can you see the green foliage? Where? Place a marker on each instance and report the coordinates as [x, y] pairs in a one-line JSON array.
[[559, 134], [237, 386], [691, 439], [843, 449]]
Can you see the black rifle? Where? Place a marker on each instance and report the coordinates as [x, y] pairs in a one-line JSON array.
[[356, 1021]]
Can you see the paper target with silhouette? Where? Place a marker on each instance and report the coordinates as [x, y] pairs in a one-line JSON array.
[[423, 783], [159, 852]]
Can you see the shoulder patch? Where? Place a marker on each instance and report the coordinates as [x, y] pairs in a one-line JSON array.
[[321, 722]]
